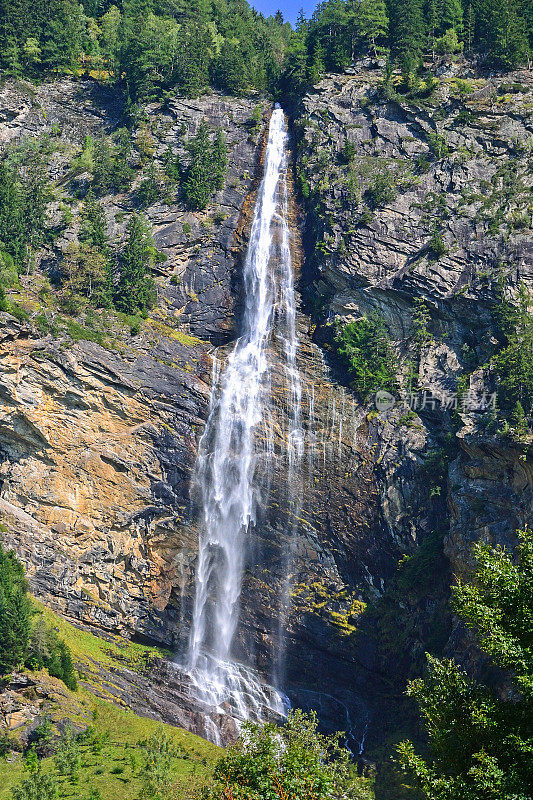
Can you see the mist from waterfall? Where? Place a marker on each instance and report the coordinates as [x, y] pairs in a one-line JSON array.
[[236, 447]]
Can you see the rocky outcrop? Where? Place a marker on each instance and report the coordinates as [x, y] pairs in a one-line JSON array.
[[98, 438]]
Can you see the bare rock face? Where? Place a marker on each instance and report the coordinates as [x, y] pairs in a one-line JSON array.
[[405, 201]]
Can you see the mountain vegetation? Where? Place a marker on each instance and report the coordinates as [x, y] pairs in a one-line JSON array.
[[480, 737], [403, 31], [23, 640], [149, 47], [101, 264]]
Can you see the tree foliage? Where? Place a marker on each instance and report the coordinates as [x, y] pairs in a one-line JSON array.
[[514, 361], [150, 48], [135, 290], [21, 642], [207, 170], [480, 738], [365, 348], [15, 612], [292, 761]]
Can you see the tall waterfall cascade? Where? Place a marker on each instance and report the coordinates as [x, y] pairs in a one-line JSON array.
[[237, 447]]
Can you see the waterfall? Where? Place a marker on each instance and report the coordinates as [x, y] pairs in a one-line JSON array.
[[236, 447]]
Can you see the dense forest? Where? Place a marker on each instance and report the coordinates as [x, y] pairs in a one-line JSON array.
[[500, 34], [154, 47]]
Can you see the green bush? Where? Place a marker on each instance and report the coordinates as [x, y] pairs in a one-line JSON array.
[[382, 190], [292, 761], [365, 348]]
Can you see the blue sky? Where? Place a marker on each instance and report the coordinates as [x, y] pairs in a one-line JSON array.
[[289, 8]]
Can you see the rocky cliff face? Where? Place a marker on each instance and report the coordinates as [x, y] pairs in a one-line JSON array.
[[410, 200], [98, 440]]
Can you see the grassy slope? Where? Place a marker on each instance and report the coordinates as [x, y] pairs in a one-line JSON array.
[[115, 772]]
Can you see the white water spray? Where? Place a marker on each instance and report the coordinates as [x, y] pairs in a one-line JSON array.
[[237, 444]]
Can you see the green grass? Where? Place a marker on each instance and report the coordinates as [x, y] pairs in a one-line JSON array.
[[108, 652], [111, 771]]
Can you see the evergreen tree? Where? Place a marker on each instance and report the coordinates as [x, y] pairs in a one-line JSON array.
[[469, 25], [135, 290], [219, 159], [12, 227], [514, 362], [15, 612], [407, 26], [102, 167], [93, 228], [207, 168], [501, 31], [372, 22], [47, 650], [451, 16], [228, 71]]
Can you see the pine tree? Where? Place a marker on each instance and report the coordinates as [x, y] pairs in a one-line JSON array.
[[372, 22], [198, 186], [451, 16], [501, 31], [229, 71], [135, 290], [469, 25], [12, 234], [102, 167], [407, 26], [93, 228], [219, 159], [15, 612]]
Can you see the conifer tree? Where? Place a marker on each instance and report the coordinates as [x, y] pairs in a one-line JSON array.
[[15, 612], [219, 159], [93, 224], [407, 26], [372, 22], [135, 290]]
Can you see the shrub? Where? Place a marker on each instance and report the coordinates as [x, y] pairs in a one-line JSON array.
[[348, 152], [479, 737], [68, 757], [382, 191], [292, 761], [37, 786], [449, 43], [365, 348], [437, 246]]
